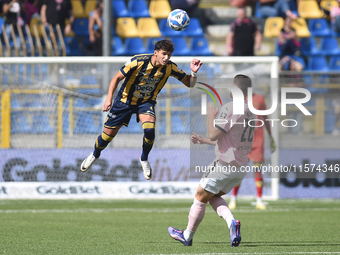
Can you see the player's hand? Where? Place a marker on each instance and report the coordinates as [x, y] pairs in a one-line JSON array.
[[212, 112], [107, 105], [196, 139], [195, 65], [272, 144]]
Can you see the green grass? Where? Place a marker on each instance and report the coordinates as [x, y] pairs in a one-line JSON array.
[[140, 227]]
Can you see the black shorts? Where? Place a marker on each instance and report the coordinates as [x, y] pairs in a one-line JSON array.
[[120, 113]]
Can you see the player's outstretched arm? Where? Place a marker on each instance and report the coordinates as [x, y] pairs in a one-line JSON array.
[[190, 80], [213, 132], [197, 139], [112, 88]]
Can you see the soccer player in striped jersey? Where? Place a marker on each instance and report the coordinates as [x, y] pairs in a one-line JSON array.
[[232, 145], [257, 154], [144, 77]]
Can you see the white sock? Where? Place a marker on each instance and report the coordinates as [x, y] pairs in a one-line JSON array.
[[229, 220], [259, 200], [188, 235], [233, 198]]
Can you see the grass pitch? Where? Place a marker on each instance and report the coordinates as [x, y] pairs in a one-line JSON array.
[[140, 227]]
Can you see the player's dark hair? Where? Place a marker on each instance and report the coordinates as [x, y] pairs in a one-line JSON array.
[[243, 82], [166, 45], [98, 3]]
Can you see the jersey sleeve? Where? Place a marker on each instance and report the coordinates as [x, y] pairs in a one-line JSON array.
[[176, 72], [223, 118], [128, 68]]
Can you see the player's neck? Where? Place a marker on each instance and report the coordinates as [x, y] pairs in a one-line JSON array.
[[153, 61]]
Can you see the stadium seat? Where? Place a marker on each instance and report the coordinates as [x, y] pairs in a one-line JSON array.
[[81, 27], [119, 9], [150, 48], [88, 80], [126, 27], [138, 9], [134, 46], [66, 121], [19, 123], [194, 28], [300, 27], [180, 122], [329, 46], [90, 5], [309, 9], [159, 9], [14, 103], [273, 26], [167, 31], [334, 63], [180, 102], [85, 124], [78, 9], [200, 47], [79, 102], [309, 47], [133, 128], [317, 63], [2, 22], [181, 48], [329, 121], [328, 4], [319, 27], [41, 124], [118, 48], [258, 14], [72, 47], [161, 122], [148, 27]]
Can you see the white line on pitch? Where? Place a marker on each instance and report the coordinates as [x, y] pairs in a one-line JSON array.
[[158, 210]]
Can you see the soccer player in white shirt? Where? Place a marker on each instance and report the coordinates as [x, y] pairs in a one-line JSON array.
[[233, 143]]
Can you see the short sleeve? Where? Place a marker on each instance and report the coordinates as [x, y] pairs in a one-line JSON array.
[[224, 117], [176, 72], [129, 67]]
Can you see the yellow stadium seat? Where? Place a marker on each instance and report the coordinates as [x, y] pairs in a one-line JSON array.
[[90, 5], [126, 27], [159, 9], [148, 27], [309, 9], [300, 27], [36, 22], [328, 4], [273, 26], [78, 9]]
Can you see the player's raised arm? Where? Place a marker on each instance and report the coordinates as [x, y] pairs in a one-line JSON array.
[[190, 80], [213, 132], [112, 88]]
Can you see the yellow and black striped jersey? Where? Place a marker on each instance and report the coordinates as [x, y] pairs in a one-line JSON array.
[[143, 81]]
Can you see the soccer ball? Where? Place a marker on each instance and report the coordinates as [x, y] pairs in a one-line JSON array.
[[178, 20]]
